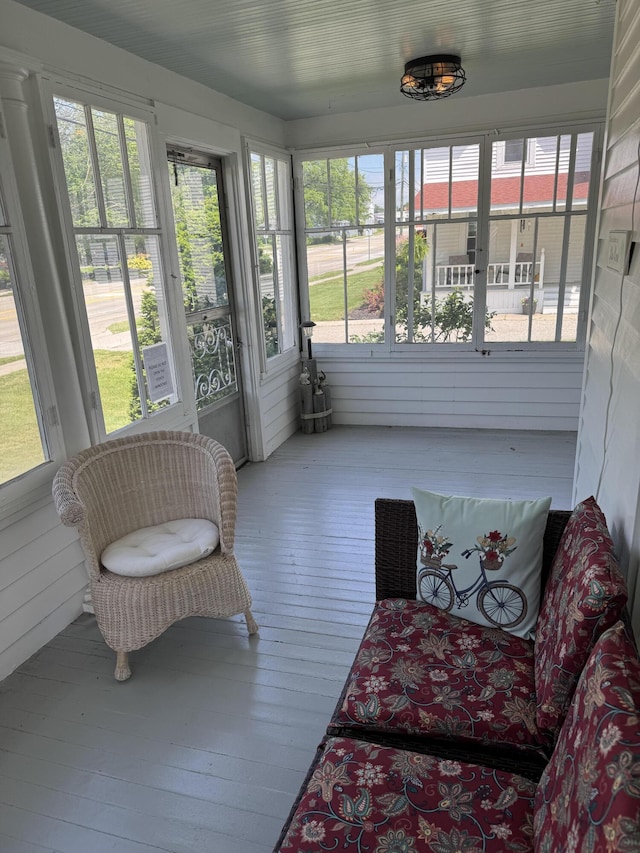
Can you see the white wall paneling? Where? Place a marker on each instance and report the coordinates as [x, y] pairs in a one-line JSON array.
[[609, 440], [500, 391]]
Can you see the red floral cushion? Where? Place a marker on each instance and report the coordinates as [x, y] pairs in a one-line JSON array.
[[585, 595], [588, 800], [364, 797], [422, 671]]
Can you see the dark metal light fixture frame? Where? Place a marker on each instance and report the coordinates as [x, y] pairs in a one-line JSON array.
[[430, 78]]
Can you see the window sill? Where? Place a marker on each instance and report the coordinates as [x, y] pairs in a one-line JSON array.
[[280, 364]]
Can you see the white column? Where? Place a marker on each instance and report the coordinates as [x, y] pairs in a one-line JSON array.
[[50, 292], [513, 253]]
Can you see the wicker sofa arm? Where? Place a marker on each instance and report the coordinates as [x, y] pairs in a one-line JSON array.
[[396, 543]]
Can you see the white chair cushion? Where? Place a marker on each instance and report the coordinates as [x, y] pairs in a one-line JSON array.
[[152, 550]]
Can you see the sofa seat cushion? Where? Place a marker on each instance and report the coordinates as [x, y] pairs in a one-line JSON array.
[[421, 671], [366, 797], [585, 594], [161, 548], [588, 798]]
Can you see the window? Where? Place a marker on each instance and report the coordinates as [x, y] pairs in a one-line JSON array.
[[537, 240], [344, 239], [275, 249], [513, 150], [508, 154], [110, 186], [26, 441], [506, 270], [436, 192]]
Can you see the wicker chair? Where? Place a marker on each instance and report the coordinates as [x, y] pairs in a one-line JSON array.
[[140, 481]]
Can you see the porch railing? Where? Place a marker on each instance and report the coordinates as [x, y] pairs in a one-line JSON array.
[[463, 275]]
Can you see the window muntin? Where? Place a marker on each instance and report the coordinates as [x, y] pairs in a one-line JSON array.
[[275, 250], [344, 240], [107, 166]]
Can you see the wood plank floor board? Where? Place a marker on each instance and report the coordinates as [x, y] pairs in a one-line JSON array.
[[65, 836], [206, 746], [194, 808], [276, 723], [204, 631], [14, 845], [309, 678], [176, 835], [229, 784], [201, 757], [220, 689], [190, 656], [122, 764]]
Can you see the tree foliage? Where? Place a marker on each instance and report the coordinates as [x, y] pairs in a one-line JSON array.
[[149, 333], [196, 212], [330, 193]]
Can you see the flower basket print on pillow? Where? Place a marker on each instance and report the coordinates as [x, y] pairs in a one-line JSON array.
[[493, 548], [434, 547], [481, 559]]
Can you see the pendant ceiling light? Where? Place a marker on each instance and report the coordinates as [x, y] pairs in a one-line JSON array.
[[430, 77]]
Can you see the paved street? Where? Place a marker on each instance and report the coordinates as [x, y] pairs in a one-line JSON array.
[[105, 307]]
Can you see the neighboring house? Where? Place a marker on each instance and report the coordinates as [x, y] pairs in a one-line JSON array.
[[520, 191]]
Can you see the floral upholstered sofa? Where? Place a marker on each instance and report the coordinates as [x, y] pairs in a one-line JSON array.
[[451, 736]]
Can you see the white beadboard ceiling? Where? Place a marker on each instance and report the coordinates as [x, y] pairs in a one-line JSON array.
[[300, 58]]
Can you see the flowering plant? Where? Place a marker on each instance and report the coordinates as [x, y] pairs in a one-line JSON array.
[[433, 545], [493, 547]]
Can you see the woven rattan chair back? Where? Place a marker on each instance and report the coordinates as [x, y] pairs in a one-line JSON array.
[[139, 481]]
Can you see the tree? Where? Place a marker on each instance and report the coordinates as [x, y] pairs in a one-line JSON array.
[[149, 333], [330, 193], [196, 212]]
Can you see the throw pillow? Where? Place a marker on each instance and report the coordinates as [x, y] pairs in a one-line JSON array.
[[585, 594], [588, 798], [481, 559]]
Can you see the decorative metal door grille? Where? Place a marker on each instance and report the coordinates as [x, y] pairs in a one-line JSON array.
[[213, 359]]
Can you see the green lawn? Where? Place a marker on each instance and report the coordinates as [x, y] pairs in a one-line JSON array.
[[327, 297], [19, 433], [115, 375]]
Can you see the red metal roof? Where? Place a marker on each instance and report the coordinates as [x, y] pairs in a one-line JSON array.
[[505, 192]]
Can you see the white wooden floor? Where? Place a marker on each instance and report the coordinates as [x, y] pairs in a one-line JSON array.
[[206, 746]]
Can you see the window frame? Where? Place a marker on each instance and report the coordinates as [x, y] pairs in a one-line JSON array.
[[406, 350], [35, 482], [501, 151], [273, 364], [181, 413]]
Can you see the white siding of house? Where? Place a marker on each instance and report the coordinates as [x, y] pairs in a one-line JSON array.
[[42, 574], [609, 437], [507, 391]]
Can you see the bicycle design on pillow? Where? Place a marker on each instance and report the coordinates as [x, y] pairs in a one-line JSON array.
[[502, 604]]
